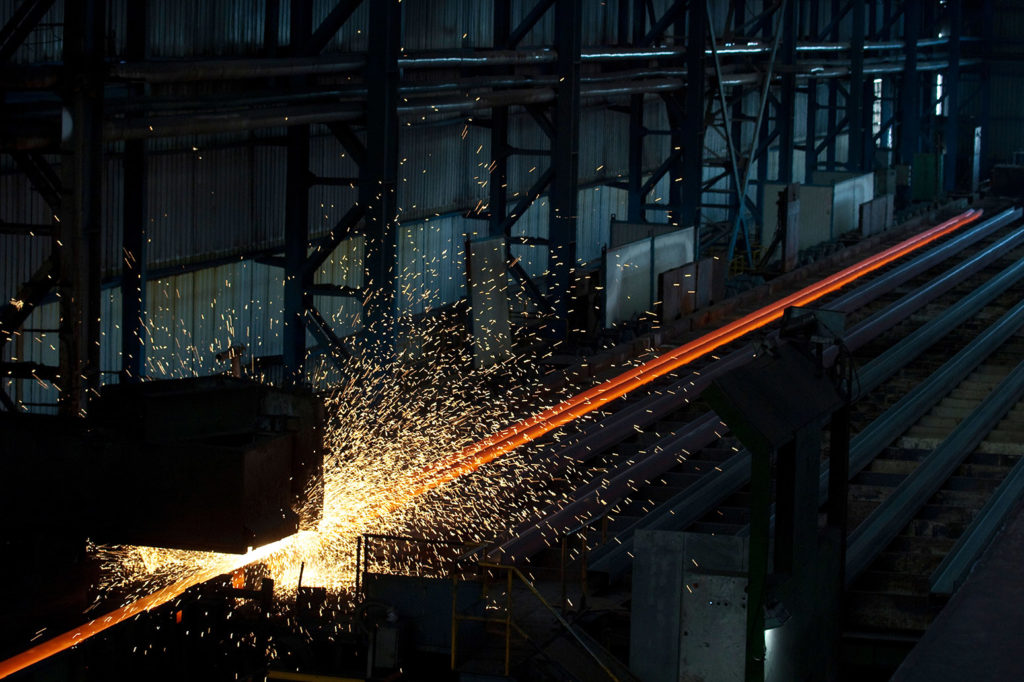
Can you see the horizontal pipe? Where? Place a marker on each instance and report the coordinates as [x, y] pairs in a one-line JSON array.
[[186, 70], [190, 70], [187, 124], [239, 117]]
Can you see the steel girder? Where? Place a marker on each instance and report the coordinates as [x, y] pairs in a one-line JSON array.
[[134, 268], [686, 106], [78, 279]]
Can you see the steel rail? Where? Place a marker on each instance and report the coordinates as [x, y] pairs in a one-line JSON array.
[[919, 400], [866, 445], [583, 403], [957, 565], [473, 456], [587, 500], [899, 275], [682, 510], [886, 522], [928, 334], [620, 424], [625, 478]]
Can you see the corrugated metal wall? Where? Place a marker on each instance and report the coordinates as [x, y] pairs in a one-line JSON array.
[[1006, 135], [222, 197]]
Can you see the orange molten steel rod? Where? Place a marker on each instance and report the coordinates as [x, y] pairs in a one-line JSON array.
[[533, 427], [476, 455]]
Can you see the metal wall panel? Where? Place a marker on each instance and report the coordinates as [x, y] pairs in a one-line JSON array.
[[443, 169], [20, 255], [37, 345], [452, 24], [44, 44]]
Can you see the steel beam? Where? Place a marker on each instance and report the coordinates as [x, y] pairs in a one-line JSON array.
[[497, 188], [297, 278], [910, 85], [331, 24], [885, 523], [22, 22], [79, 273], [134, 223], [637, 134], [687, 172], [858, 99], [785, 113], [378, 179], [636, 197], [563, 195], [951, 91], [957, 565]]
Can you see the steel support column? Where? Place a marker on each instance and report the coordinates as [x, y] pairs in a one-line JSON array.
[[565, 162], [858, 100], [811, 130], [951, 90], [686, 175], [79, 272], [497, 205], [785, 111], [637, 131], [378, 179], [833, 97], [297, 278], [985, 116], [910, 86], [134, 235]]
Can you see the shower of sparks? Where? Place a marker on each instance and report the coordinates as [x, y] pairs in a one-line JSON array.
[[383, 431], [395, 439]]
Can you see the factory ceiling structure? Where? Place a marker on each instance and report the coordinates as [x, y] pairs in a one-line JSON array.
[[358, 321]]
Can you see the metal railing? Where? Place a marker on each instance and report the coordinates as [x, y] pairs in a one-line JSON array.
[[512, 573]]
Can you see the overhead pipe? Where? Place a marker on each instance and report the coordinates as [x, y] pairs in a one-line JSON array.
[[190, 70]]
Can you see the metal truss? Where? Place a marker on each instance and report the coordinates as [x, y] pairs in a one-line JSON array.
[[704, 75]]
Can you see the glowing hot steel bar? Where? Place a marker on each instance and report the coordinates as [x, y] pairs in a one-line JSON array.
[[476, 455]]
